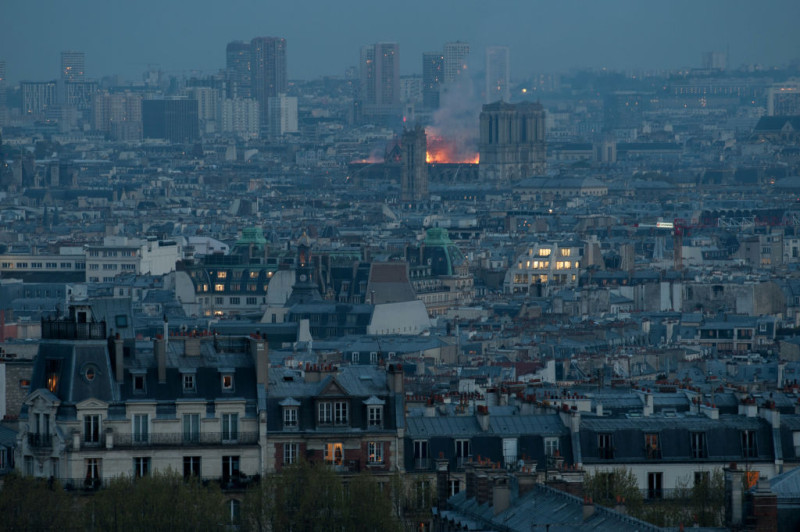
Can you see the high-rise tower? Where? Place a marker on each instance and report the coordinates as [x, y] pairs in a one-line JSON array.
[[498, 74], [432, 78], [267, 71], [380, 78], [72, 65], [456, 58], [237, 69]]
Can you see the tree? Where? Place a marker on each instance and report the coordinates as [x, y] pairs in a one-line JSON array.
[[35, 504], [606, 487]]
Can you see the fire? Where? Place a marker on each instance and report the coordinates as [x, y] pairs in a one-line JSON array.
[[442, 150]]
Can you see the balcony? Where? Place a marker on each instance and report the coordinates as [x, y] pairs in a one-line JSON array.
[[40, 441], [422, 463], [70, 330], [179, 439]]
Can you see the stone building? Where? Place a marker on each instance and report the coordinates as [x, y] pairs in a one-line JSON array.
[[512, 141]]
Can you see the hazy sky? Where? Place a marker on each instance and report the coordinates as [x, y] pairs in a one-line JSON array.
[[323, 36]]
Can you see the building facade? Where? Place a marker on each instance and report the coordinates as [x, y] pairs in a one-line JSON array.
[[512, 141]]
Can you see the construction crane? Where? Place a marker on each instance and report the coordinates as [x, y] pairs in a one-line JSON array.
[[679, 228]]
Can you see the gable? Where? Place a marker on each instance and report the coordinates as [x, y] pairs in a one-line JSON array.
[[92, 404], [332, 389]]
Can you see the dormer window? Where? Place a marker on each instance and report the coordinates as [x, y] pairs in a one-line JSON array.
[[374, 412], [290, 417], [52, 372], [189, 382], [332, 413], [227, 382], [139, 385]]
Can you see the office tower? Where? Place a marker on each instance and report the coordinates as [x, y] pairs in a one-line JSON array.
[[432, 78], [207, 107], [411, 89], [173, 120], [456, 57], [72, 65], [267, 71], [512, 141], [414, 170], [282, 115], [715, 60], [237, 69], [380, 78], [240, 116], [118, 115], [37, 96], [498, 74]]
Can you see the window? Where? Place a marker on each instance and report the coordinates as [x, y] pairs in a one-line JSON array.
[[654, 486], [191, 466], [235, 300], [222, 275], [290, 452], [375, 452], [29, 466], [373, 357], [354, 358], [138, 384], [91, 429], [227, 382], [702, 478], [234, 512], [230, 468], [230, 427], [191, 428], [52, 372], [551, 446], [140, 428], [334, 453], [421, 454], [462, 452], [749, 444], [253, 301], [188, 382], [332, 413], [698, 441], [290, 417], [141, 467], [218, 287], [652, 447], [219, 300], [453, 486], [92, 471], [605, 445], [375, 416], [796, 442]]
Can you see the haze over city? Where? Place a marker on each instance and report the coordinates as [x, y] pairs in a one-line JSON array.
[[126, 37]]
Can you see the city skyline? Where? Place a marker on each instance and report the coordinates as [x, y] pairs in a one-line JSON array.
[[543, 36]]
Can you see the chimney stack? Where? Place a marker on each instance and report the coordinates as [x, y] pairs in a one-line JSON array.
[[394, 378], [733, 496], [588, 508], [160, 350], [260, 354], [119, 365], [501, 495]]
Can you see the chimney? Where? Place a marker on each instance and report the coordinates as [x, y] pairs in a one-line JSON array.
[[394, 378], [160, 350], [526, 479], [501, 495], [482, 413], [588, 508], [765, 507], [648, 404], [260, 354], [733, 496], [119, 365], [482, 491], [442, 481], [621, 507]]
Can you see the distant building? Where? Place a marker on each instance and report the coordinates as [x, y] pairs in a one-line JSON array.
[[432, 78], [498, 74], [380, 79], [282, 115], [414, 173], [715, 60], [120, 255], [267, 71], [237, 69], [118, 114], [37, 96], [173, 120], [512, 141], [784, 99], [240, 116], [207, 107], [456, 59], [72, 65], [411, 89]]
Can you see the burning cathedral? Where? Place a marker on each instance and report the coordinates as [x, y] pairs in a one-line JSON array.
[[512, 141]]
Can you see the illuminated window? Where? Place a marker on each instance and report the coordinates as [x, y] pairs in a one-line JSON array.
[[565, 252], [52, 372], [375, 452], [560, 265], [543, 278], [254, 275], [219, 287], [227, 382], [334, 453], [651, 446], [544, 252], [222, 275]]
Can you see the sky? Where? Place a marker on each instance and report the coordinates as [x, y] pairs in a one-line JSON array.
[[127, 37]]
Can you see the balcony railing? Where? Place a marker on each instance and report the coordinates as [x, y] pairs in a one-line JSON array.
[[422, 463], [40, 441], [175, 439], [70, 330], [83, 484]]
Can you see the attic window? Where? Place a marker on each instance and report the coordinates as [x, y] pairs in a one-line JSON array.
[[138, 384], [52, 371], [89, 373], [121, 321], [227, 382]]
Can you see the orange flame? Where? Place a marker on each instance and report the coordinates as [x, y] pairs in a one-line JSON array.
[[442, 150]]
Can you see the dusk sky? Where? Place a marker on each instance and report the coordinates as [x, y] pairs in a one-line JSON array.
[[323, 36]]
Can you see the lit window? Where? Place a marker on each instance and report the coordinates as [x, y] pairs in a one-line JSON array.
[[334, 453], [375, 452], [219, 287], [227, 382], [565, 252], [544, 252], [651, 446], [222, 275]]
